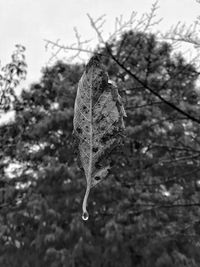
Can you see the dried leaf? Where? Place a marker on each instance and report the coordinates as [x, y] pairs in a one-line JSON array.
[[98, 122]]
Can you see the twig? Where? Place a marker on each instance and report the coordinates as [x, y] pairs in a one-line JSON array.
[[151, 90]]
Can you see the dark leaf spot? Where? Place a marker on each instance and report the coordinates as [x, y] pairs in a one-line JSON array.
[[97, 165], [97, 178], [95, 149], [104, 139], [79, 130]]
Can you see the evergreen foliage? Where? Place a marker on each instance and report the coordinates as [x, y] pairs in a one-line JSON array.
[[146, 213]]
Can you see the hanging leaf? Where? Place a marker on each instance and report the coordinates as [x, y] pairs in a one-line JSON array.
[[98, 123]]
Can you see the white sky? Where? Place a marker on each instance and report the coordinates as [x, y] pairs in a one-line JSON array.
[[29, 22]]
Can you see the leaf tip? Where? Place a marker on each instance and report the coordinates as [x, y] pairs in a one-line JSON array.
[[85, 216]]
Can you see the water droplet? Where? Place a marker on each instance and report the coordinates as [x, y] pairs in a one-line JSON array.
[[85, 216]]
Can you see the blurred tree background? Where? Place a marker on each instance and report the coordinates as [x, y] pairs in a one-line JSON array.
[[146, 213]]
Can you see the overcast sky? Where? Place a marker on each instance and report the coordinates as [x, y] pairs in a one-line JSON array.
[[29, 22]]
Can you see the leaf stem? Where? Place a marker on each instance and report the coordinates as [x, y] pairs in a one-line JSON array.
[[85, 214]]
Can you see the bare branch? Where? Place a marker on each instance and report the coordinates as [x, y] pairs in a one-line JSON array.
[[78, 47], [181, 33], [144, 23], [149, 18], [121, 26], [97, 28], [128, 71]]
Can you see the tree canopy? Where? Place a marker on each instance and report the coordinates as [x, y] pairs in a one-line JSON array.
[[146, 212]]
